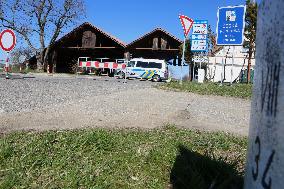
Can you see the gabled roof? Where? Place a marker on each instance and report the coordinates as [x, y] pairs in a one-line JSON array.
[[153, 31], [94, 27]]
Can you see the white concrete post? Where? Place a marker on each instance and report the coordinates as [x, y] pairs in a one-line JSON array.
[[265, 161]]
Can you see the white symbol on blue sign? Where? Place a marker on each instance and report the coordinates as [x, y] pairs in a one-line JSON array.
[[231, 16], [230, 26]]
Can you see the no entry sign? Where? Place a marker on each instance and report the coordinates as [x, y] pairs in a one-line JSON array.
[[7, 40]]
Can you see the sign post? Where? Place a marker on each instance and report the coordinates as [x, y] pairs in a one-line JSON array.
[[186, 24], [7, 44], [182, 59], [233, 62], [199, 41], [230, 29]]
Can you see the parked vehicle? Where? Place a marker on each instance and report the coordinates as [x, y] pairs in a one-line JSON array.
[[151, 69]]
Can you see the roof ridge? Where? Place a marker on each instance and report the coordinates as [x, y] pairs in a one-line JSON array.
[[95, 27], [109, 35], [152, 31]]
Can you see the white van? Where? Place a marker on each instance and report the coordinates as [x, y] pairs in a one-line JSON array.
[[151, 69]]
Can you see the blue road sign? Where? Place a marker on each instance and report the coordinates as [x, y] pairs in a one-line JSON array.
[[231, 24], [199, 36]]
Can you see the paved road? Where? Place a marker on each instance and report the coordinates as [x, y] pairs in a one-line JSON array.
[[67, 102]]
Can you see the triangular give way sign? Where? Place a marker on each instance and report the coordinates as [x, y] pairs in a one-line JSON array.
[[186, 24]]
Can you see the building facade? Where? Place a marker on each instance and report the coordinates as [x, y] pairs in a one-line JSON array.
[[224, 66], [88, 40]]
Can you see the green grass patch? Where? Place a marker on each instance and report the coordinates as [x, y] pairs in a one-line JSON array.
[[102, 158], [237, 90]]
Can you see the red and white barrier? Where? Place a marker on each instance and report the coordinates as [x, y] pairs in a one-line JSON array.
[[7, 67], [101, 65]]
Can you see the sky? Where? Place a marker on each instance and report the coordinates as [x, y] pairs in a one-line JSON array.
[[130, 19]]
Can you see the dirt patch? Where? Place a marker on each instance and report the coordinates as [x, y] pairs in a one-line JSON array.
[[138, 106]]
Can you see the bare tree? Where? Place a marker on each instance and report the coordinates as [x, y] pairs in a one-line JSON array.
[[40, 22], [20, 55], [213, 48], [250, 33], [187, 56]]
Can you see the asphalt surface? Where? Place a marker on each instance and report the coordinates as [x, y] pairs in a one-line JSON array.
[[41, 102]]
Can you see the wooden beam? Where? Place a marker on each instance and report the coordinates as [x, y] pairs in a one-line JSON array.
[[172, 49], [143, 48], [106, 47], [156, 49], [89, 47]]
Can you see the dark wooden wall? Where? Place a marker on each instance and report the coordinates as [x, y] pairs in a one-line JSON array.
[[89, 41], [158, 45], [86, 41]]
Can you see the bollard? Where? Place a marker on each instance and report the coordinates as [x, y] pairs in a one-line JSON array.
[[265, 159]]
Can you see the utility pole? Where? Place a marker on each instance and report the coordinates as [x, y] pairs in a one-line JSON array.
[[265, 159]]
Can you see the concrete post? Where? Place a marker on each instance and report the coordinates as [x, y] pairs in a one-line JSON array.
[[265, 161]]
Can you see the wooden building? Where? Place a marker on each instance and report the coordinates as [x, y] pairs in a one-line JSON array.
[[90, 41], [84, 41], [157, 44]]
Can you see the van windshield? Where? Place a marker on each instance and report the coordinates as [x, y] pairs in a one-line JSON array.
[[155, 65], [141, 64]]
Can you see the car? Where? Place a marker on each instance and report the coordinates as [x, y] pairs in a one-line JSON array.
[[151, 69]]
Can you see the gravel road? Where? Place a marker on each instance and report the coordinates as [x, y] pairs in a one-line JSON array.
[[68, 102]]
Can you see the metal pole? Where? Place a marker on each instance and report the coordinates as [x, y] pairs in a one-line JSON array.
[[200, 58], [207, 66], [182, 59], [194, 69], [7, 66], [232, 65], [222, 72], [125, 71]]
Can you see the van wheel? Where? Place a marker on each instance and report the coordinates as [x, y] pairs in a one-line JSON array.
[[156, 78], [121, 75]]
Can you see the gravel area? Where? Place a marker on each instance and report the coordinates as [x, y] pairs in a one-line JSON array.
[[69, 102]]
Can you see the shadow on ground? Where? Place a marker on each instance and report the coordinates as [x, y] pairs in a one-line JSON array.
[[195, 171]]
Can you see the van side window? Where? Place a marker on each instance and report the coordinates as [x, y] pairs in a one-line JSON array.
[[82, 60], [131, 64], [141, 64], [155, 65]]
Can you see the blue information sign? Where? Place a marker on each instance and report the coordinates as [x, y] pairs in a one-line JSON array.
[[199, 36], [230, 26]]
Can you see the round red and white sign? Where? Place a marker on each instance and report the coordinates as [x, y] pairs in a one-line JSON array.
[[7, 40]]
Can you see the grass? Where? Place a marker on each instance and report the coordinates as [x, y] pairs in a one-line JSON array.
[[101, 158], [16, 69], [237, 90]]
